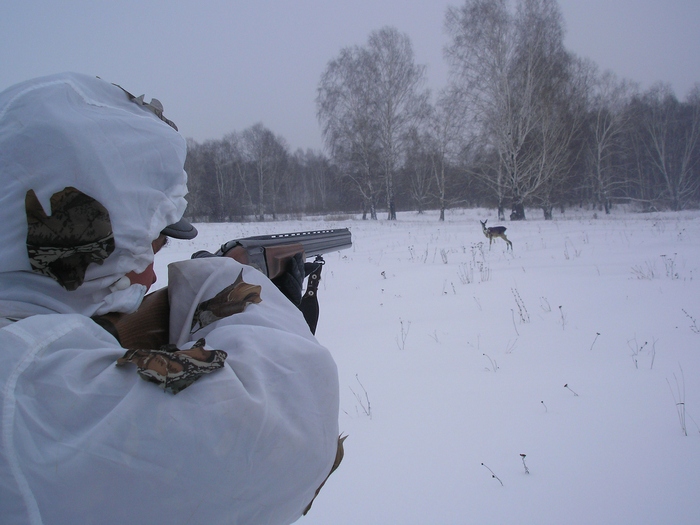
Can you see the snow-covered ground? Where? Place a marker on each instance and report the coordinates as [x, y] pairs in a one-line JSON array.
[[575, 358]]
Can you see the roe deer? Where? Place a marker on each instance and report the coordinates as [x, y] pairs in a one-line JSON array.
[[495, 231]]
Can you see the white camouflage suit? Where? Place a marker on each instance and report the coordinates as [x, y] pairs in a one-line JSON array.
[[83, 441]]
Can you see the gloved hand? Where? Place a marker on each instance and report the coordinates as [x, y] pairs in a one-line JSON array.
[[291, 282], [312, 266], [172, 368]]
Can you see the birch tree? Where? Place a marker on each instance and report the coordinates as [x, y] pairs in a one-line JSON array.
[[608, 121], [446, 126], [672, 133], [368, 99], [508, 65], [398, 100], [267, 154], [344, 110]]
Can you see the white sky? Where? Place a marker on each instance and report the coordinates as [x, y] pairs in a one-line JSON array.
[[223, 65]]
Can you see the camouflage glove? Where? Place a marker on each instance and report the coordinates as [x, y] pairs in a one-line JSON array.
[[172, 368]]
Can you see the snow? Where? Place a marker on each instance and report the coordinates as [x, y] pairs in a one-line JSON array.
[[456, 359]]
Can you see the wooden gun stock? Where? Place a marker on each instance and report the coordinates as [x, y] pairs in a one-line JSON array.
[[270, 253], [271, 260]]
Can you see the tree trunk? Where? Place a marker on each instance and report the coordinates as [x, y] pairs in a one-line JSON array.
[[392, 210], [517, 211]]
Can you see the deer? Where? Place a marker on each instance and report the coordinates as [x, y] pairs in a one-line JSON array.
[[495, 231]]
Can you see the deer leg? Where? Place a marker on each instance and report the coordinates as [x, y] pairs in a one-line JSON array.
[[510, 244]]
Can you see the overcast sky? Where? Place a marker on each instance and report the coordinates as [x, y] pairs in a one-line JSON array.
[[223, 65]]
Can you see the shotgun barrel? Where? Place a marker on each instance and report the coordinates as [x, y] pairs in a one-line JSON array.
[[269, 253], [315, 242]]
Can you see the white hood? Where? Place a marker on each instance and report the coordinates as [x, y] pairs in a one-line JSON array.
[[72, 130]]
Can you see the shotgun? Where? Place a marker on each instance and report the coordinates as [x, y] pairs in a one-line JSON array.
[[148, 327], [270, 253]]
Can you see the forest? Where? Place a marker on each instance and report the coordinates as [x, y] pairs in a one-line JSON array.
[[522, 123]]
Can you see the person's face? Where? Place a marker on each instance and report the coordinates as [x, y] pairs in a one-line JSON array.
[[148, 276]]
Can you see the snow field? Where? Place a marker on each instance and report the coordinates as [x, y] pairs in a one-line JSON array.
[[453, 360]]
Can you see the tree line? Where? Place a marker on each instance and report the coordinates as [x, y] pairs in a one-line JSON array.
[[523, 123]]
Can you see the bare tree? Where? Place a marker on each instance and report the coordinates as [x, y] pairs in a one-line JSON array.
[[228, 169], [313, 178], [561, 131], [542, 74], [399, 101], [509, 67], [214, 191], [368, 99], [607, 122], [344, 109], [418, 168], [195, 165], [672, 132], [446, 126], [480, 55], [267, 154]]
